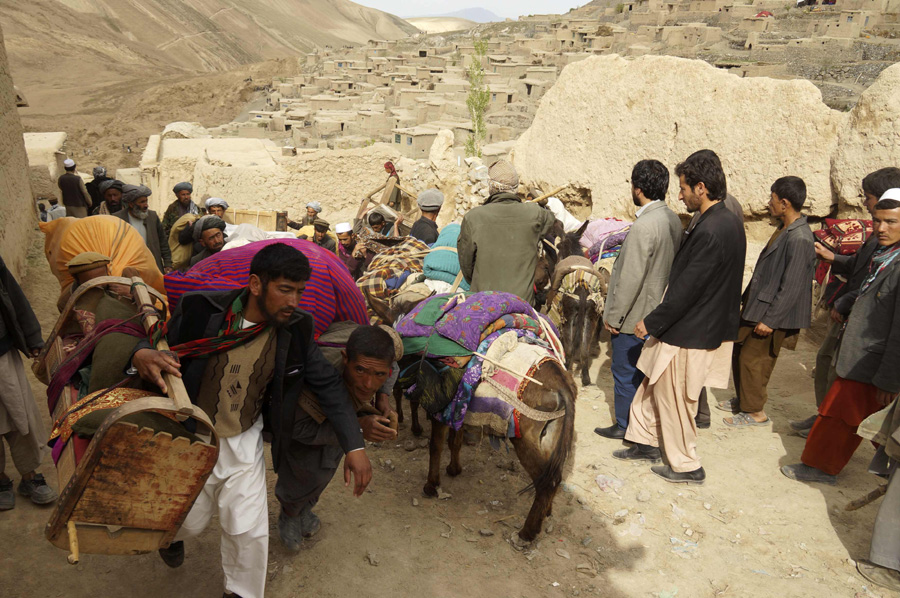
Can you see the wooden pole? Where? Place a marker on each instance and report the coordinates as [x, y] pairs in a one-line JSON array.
[[174, 386], [551, 194], [411, 194], [73, 557], [365, 202], [868, 498]]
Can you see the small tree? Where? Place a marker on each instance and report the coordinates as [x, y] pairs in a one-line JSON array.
[[478, 99]]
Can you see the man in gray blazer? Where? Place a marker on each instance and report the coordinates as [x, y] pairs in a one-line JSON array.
[[638, 281], [868, 377], [776, 304]]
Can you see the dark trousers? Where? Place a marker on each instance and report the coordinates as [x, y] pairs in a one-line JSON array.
[[703, 416], [626, 349], [825, 373], [308, 466]]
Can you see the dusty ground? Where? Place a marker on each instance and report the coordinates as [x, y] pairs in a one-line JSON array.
[[749, 532]]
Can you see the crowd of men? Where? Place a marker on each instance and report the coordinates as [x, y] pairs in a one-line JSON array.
[[679, 316]]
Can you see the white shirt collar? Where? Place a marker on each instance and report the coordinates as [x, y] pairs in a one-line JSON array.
[[644, 207]]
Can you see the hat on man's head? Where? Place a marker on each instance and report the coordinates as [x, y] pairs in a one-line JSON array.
[[321, 224], [99, 171], [130, 193], [315, 206], [503, 177], [430, 200], [68, 162], [205, 223], [343, 227], [216, 201], [86, 261], [182, 186], [891, 194]]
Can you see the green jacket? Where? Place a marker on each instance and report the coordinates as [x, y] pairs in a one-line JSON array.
[[498, 244]]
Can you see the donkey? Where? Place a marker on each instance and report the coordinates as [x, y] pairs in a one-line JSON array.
[[543, 448], [575, 303]]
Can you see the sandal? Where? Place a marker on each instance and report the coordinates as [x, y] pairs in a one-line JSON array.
[[744, 420], [732, 405]]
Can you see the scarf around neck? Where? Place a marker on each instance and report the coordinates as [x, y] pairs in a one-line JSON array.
[[881, 259]]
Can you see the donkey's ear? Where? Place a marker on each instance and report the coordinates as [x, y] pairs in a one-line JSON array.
[[380, 307], [581, 229]]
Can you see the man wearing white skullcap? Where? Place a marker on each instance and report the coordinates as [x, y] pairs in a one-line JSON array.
[[498, 242], [425, 228], [75, 195], [216, 206]]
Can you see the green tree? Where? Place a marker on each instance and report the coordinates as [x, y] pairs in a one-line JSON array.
[[478, 99]]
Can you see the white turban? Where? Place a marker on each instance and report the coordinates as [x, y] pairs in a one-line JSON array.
[[216, 201], [315, 205]]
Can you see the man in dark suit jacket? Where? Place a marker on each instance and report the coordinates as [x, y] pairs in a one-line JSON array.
[[254, 338], [852, 269], [777, 304], [868, 376], [691, 330], [136, 212]]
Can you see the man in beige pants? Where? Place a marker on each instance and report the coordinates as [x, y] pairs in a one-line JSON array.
[[691, 330]]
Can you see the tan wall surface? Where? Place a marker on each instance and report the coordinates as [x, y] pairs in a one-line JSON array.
[[17, 215]]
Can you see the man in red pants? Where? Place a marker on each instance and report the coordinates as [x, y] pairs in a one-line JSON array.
[[868, 376]]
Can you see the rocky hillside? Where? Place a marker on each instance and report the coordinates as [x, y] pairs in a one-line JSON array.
[[198, 35]]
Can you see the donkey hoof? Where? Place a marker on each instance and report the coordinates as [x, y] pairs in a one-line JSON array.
[[585, 380], [518, 543], [454, 471], [417, 430], [430, 490]]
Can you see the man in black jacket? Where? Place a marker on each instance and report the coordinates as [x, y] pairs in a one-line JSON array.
[[853, 269], [691, 330], [777, 304], [425, 228], [256, 352]]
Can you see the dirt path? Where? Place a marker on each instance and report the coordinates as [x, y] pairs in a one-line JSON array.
[[748, 532]]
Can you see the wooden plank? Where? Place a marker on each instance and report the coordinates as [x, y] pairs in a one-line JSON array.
[[71, 494], [160, 475], [96, 539]]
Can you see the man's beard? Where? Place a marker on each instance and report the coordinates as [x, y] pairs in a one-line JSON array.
[[635, 200], [272, 319], [139, 213]]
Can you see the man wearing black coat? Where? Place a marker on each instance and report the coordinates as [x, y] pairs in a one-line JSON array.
[[691, 330], [257, 353], [777, 304]]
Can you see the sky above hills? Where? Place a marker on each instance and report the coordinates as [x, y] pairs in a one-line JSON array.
[[504, 8]]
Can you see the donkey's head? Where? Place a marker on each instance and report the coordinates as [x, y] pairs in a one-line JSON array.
[[571, 242]]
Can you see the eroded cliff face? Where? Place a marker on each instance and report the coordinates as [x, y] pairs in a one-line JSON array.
[[18, 218], [606, 113]]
